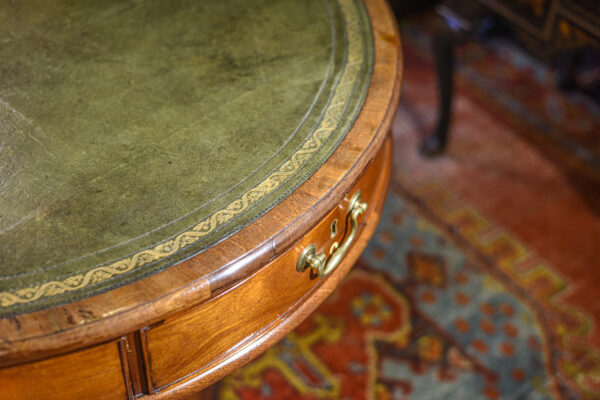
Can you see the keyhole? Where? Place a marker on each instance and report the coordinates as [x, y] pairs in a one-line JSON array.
[[334, 228]]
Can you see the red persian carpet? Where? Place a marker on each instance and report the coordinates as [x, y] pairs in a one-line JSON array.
[[482, 279]]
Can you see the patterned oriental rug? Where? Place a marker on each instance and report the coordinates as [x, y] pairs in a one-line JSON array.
[[480, 283]]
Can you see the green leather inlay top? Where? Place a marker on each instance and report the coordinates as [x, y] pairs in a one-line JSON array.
[[136, 134]]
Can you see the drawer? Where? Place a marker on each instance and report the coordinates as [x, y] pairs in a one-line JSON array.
[[204, 336], [194, 343], [94, 373]]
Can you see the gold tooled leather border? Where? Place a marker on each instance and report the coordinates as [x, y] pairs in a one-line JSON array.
[[333, 112]]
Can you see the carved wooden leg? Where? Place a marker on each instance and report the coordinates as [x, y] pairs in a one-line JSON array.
[[443, 53]]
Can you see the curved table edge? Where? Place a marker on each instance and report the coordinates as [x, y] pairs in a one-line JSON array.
[[54, 336]]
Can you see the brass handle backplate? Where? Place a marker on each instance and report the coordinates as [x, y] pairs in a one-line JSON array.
[[309, 256]]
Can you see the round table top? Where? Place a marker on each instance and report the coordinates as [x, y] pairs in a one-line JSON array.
[[135, 135]]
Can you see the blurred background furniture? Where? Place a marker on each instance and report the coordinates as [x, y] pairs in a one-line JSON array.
[[562, 33]]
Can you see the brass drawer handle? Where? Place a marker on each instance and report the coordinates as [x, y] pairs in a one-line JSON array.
[[309, 256]]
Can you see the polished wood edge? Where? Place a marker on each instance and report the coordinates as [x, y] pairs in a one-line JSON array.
[[182, 389], [145, 361], [102, 318], [127, 369], [136, 362]]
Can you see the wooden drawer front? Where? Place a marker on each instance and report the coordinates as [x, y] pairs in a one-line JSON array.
[[214, 331], [192, 343], [94, 373]]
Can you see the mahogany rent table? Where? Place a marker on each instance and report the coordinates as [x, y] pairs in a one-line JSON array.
[[181, 183]]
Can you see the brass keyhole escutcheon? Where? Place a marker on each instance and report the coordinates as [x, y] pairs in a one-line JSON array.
[[319, 262]]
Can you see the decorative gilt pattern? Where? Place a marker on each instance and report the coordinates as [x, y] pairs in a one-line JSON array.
[[333, 113]]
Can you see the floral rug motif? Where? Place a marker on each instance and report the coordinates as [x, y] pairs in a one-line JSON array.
[[426, 314]]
